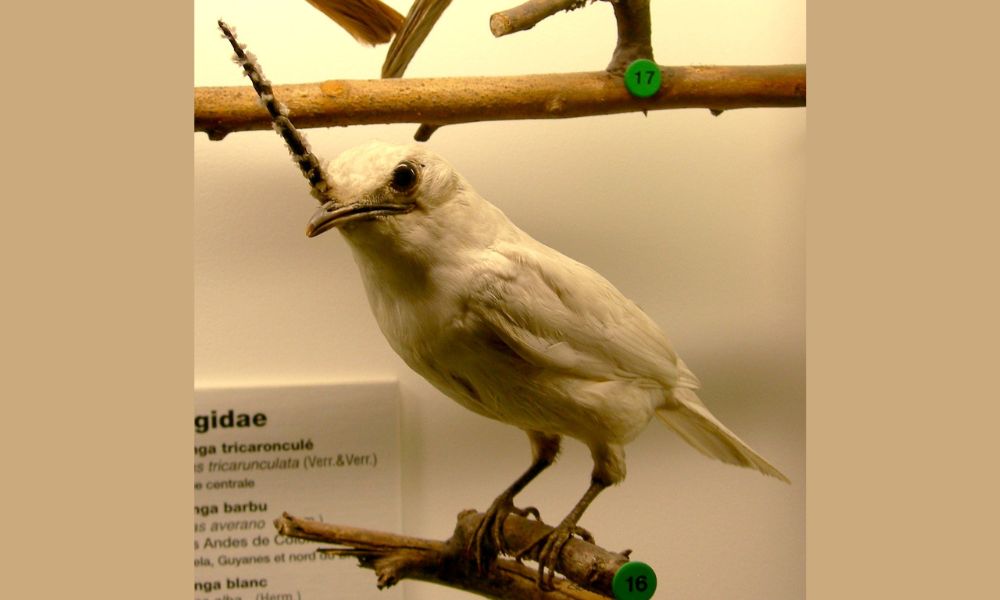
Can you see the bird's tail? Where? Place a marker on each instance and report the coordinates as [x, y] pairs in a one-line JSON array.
[[693, 422], [368, 21], [422, 17]]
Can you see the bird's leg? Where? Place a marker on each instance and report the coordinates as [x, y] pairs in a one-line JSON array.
[[609, 468], [487, 541], [551, 544]]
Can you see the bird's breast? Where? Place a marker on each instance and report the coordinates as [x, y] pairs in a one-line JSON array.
[[466, 360], [435, 333]]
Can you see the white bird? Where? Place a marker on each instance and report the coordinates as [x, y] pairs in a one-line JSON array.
[[508, 327], [502, 324]]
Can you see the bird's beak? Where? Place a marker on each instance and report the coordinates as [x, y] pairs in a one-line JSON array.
[[334, 214]]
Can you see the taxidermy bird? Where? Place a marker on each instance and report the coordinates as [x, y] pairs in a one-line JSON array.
[[502, 324], [373, 22]]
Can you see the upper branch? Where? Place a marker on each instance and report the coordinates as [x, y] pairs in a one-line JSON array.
[[444, 101], [529, 14], [632, 18], [634, 33]]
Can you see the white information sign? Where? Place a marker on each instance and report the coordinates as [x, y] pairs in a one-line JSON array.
[[329, 453]]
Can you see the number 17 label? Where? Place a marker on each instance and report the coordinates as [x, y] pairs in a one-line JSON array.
[[643, 78]]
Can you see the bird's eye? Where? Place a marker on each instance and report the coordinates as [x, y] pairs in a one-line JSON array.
[[404, 177]]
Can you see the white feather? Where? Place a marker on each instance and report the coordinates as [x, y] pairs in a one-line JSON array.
[[511, 328]]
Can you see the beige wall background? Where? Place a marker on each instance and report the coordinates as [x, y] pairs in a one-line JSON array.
[[699, 219]]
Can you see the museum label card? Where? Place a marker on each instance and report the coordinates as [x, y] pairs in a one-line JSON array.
[[329, 453]]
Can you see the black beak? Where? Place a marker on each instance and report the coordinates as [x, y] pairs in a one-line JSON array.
[[333, 214]]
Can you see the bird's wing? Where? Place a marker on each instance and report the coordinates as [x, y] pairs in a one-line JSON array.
[[561, 315], [368, 21], [418, 23]]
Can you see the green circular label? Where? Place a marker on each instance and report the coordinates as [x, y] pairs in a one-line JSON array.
[[643, 78], [634, 581]]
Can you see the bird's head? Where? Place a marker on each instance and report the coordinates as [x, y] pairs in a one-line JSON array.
[[376, 187], [406, 197]]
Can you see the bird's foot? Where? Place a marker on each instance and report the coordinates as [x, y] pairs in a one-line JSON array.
[[487, 541], [550, 546]]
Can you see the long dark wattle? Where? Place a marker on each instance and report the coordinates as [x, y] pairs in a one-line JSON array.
[[296, 142]]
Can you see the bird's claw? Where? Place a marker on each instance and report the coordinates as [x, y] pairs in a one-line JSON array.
[[583, 534], [488, 541], [526, 512], [550, 546]]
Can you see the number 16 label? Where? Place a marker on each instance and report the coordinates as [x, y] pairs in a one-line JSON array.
[[634, 581]]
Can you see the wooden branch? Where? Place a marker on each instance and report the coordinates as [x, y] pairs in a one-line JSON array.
[[529, 14], [634, 34], [589, 569], [444, 101]]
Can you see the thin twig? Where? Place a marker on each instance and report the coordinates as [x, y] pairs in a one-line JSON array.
[[634, 34], [529, 14], [445, 101], [588, 569]]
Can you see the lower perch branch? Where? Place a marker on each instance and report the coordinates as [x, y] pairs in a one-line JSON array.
[[588, 569], [450, 100]]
